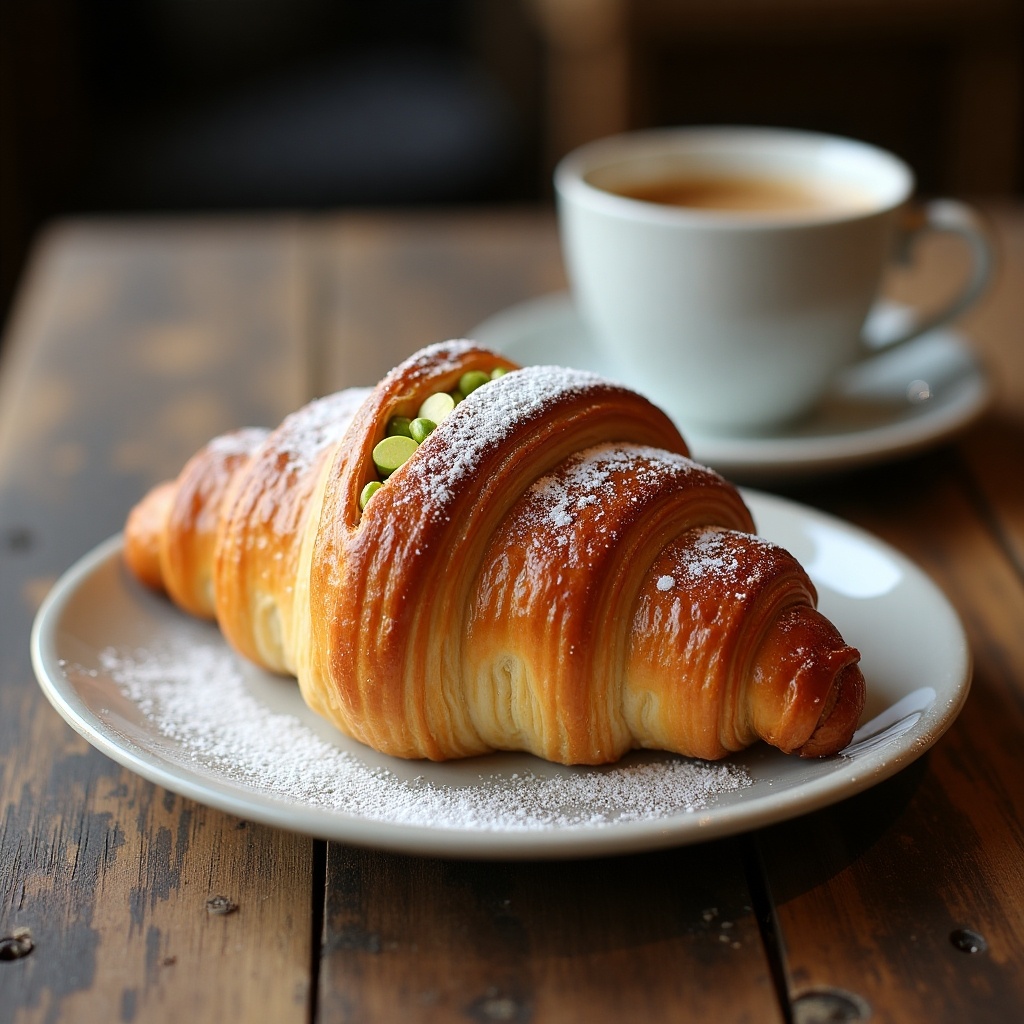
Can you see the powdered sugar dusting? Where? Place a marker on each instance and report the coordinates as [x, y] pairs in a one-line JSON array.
[[486, 418], [237, 442], [711, 553], [592, 478], [322, 422], [437, 358], [714, 553], [196, 695]]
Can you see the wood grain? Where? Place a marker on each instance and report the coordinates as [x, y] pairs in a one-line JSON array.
[[124, 356]]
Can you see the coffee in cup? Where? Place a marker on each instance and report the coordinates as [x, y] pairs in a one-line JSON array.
[[749, 194]]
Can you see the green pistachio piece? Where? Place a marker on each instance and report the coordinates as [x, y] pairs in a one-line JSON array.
[[437, 406], [398, 426], [498, 371], [421, 428], [471, 380], [390, 453], [368, 492]]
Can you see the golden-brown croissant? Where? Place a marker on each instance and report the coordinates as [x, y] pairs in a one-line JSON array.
[[546, 571]]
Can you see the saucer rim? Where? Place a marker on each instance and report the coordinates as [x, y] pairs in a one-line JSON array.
[[778, 455]]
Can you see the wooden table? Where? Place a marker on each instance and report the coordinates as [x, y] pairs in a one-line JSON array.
[[132, 343]]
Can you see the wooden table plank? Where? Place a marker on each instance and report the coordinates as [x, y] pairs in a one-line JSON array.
[[123, 357], [385, 286], [667, 936]]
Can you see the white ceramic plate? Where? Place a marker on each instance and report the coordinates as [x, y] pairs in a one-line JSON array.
[[904, 401], [160, 693]]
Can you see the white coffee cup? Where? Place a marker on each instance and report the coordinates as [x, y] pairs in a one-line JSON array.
[[739, 318]]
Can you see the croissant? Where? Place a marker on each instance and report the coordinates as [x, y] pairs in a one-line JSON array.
[[548, 571]]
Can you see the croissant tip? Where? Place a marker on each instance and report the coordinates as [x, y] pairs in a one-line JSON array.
[[838, 723], [142, 532]]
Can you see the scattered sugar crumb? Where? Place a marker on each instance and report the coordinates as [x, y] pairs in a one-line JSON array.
[[666, 583], [196, 695]]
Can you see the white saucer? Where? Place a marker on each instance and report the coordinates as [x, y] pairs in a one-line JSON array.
[[868, 417]]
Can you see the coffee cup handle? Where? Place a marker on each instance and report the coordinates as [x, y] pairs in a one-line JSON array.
[[948, 216]]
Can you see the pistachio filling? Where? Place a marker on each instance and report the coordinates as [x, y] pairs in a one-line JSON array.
[[404, 434]]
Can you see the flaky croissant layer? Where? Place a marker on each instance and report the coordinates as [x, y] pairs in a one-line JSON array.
[[548, 571]]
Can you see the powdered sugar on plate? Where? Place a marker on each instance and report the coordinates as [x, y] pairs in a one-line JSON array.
[[197, 696]]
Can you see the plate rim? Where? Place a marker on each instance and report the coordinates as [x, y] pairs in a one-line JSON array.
[[559, 842]]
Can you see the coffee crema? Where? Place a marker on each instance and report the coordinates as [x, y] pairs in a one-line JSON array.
[[747, 194]]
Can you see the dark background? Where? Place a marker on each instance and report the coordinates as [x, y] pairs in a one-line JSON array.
[[178, 105]]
